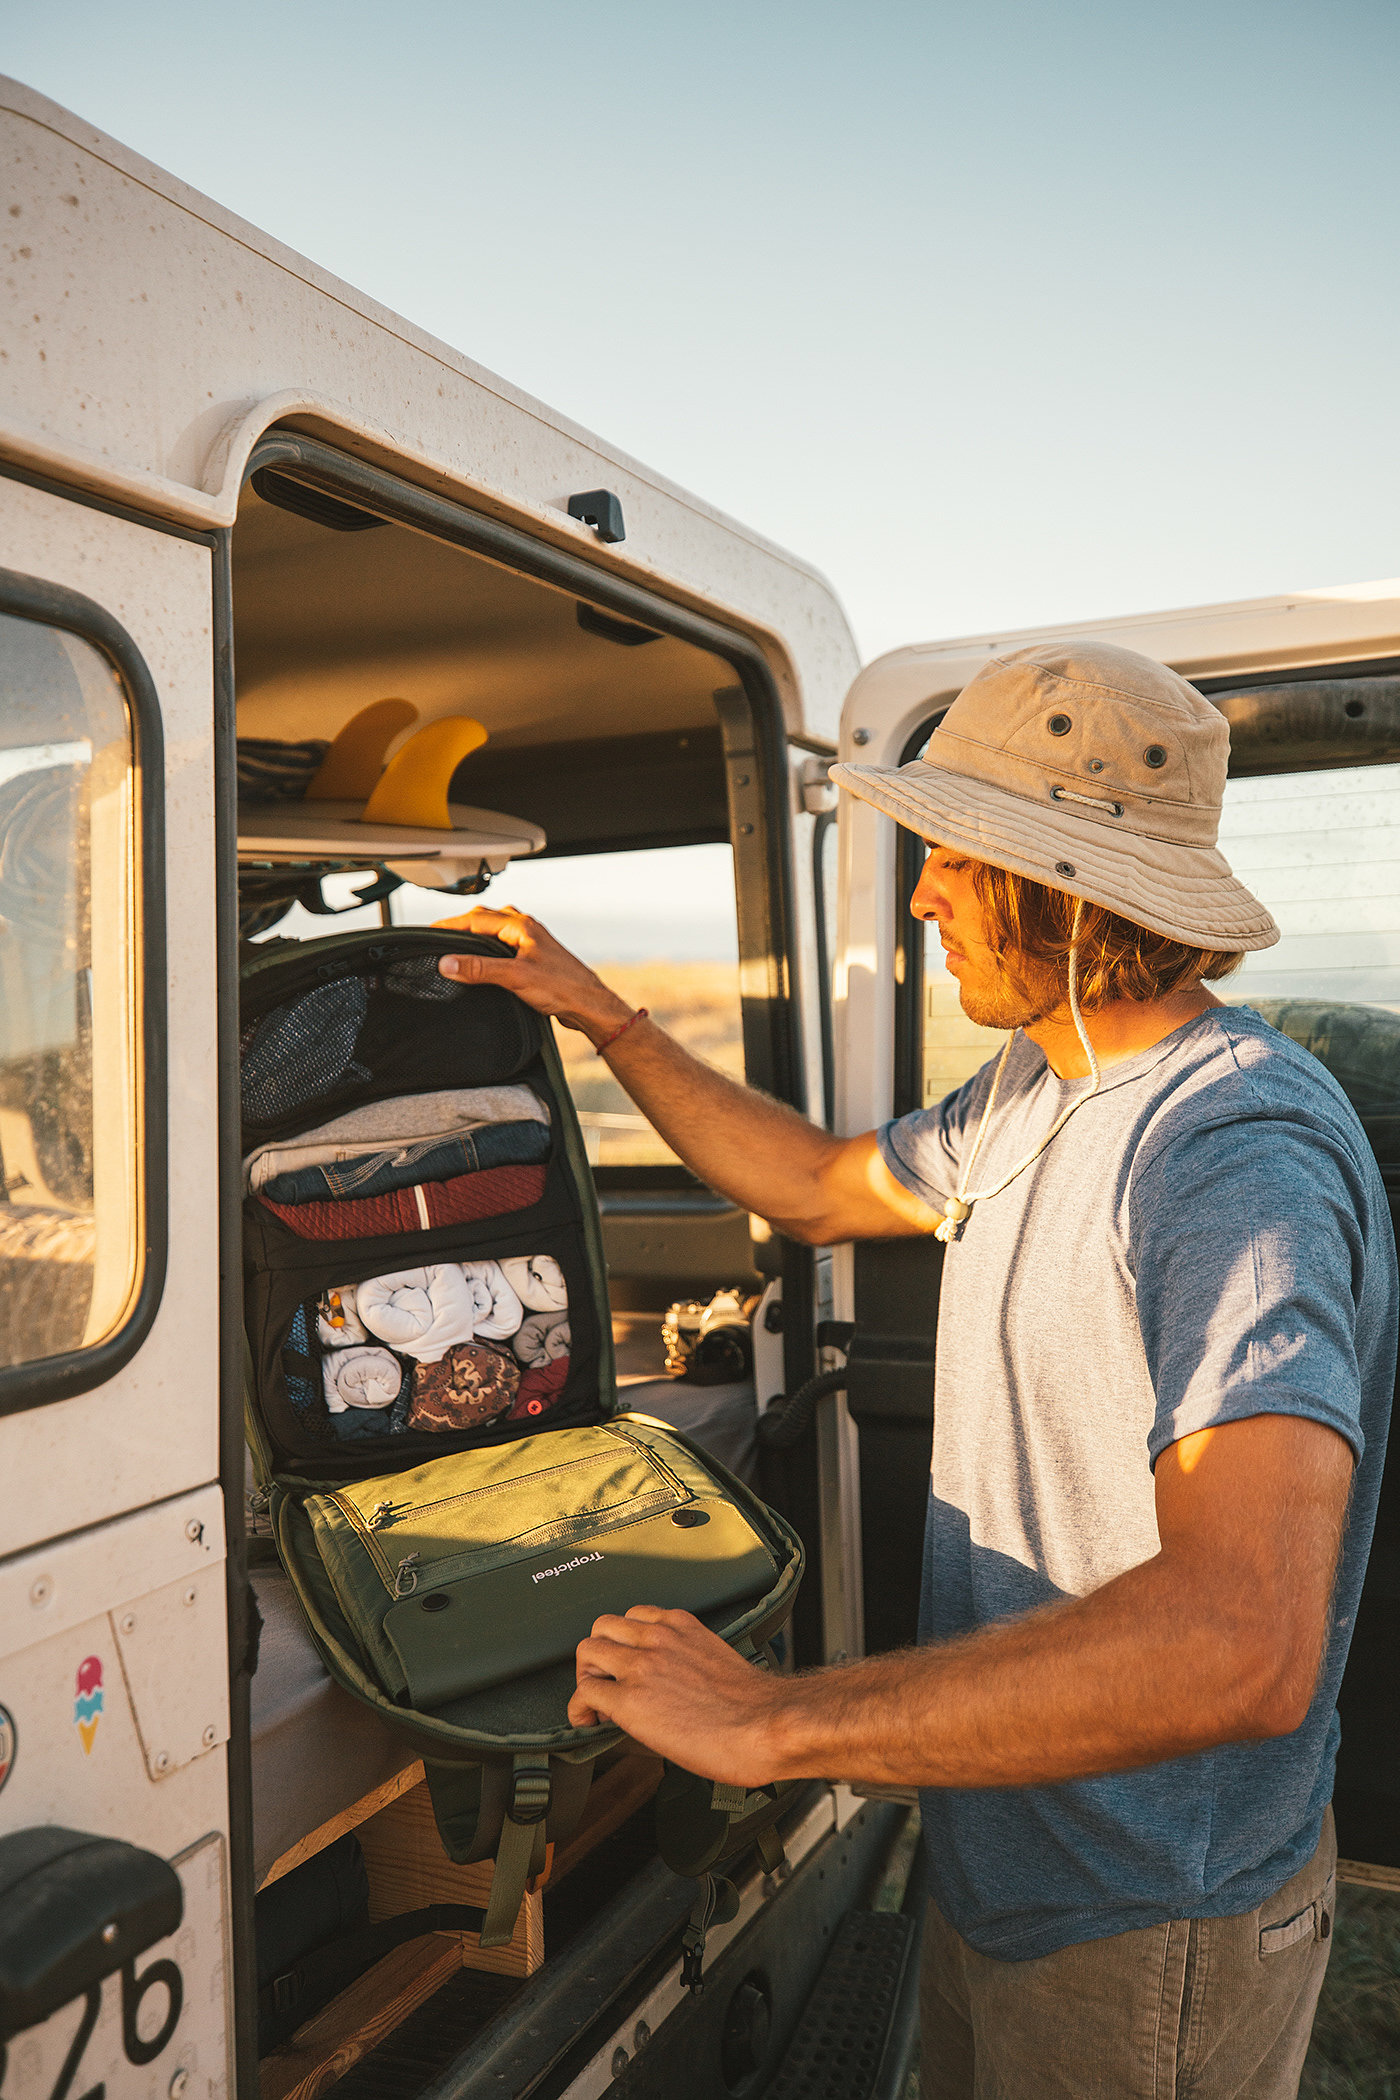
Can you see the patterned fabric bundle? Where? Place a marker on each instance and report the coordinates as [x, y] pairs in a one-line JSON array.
[[470, 1385]]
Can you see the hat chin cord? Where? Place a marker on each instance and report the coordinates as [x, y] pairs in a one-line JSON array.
[[959, 1207]]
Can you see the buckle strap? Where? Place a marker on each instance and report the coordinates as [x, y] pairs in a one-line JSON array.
[[521, 1851]]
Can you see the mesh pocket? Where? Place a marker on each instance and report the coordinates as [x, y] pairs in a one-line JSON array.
[[418, 977], [300, 1369], [302, 1051]]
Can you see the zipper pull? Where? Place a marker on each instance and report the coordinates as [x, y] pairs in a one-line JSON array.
[[381, 1516], [406, 1581]]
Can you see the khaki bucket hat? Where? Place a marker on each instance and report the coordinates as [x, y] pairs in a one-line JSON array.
[[1093, 770]]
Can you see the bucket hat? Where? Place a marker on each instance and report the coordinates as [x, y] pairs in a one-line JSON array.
[[1091, 769]]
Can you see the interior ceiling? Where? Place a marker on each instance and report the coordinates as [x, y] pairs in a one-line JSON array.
[[326, 621]]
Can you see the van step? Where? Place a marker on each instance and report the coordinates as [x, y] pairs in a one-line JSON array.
[[840, 2042]]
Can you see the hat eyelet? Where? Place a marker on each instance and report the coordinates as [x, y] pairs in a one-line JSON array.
[[1154, 756], [1064, 867], [1059, 725]]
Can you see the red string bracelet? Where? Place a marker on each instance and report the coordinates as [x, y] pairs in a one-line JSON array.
[[630, 1022]]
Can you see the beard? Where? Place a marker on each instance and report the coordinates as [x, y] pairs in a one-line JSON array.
[[1002, 1000]]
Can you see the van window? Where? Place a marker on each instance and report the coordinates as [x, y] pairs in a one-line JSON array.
[[69, 1119], [1322, 850], [659, 926]]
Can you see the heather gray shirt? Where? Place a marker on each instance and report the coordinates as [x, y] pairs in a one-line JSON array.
[[1206, 1239]]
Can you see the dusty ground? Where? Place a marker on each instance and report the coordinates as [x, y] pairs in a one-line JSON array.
[[1355, 2052], [698, 1002]]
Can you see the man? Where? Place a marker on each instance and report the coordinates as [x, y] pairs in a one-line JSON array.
[[1166, 1351]]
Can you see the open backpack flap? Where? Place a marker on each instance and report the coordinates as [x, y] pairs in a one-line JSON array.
[[432, 1408]]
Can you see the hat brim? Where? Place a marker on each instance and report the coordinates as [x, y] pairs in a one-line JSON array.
[[1184, 892]]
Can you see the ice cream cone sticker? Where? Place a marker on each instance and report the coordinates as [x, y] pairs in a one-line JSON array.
[[87, 1701]]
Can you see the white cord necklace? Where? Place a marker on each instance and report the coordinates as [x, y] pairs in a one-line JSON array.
[[959, 1207]]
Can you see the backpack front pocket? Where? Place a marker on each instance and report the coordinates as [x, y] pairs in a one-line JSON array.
[[468, 1631]]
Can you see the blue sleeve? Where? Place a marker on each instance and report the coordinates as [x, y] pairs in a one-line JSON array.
[[924, 1150], [1248, 1242]]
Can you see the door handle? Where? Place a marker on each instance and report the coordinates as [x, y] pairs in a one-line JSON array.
[[73, 1910]]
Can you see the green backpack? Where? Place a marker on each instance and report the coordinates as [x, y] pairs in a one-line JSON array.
[[452, 1489]]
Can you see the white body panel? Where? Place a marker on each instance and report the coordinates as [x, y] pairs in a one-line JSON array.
[[154, 337], [152, 1431]]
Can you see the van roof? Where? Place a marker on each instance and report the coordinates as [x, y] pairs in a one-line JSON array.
[[157, 337]]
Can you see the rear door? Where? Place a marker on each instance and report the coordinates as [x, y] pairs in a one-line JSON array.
[[1311, 687], [114, 1699]]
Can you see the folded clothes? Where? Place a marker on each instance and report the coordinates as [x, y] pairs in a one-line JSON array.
[[469, 1385], [539, 1388], [361, 1378], [421, 1312], [542, 1338], [337, 1322], [488, 1194], [358, 1422], [538, 1282], [377, 1172], [498, 1312], [406, 1119]]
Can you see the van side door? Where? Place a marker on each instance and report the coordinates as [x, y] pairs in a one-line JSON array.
[[114, 1691]]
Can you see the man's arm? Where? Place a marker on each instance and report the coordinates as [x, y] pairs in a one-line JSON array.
[[762, 1155], [1218, 1638]]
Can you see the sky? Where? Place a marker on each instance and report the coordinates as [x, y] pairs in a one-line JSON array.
[[1017, 312], [1005, 313]]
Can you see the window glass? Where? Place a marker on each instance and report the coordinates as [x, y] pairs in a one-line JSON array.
[[659, 927], [69, 1119], [1322, 850]]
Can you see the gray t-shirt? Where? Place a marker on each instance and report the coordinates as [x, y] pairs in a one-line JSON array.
[[1207, 1238]]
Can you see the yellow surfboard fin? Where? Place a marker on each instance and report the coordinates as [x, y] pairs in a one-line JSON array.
[[351, 768], [414, 784]]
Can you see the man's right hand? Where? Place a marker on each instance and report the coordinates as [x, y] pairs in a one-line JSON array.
[[542, 971]]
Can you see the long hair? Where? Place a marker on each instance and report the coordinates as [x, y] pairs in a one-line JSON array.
[[1032, 926]]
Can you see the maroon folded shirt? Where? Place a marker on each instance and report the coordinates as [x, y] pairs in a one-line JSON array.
[[489, 1193], [539, 1389]]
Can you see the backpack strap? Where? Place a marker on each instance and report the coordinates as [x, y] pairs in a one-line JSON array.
[[521, 1851]]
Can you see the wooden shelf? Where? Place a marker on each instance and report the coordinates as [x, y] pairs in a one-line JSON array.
[[326, 2046]]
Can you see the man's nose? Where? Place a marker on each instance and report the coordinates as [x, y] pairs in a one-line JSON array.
[[930, 900]]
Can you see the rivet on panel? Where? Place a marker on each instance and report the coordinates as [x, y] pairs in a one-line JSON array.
[[860, 736], [194, 1531], [128, 1622], [162, 1761], [109, 1933], [41, 1589], [641, 2035], [619, 2061], [210, 1737], [191, 1596], [178, 2083]]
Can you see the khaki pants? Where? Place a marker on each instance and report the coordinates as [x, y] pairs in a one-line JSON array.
[[1200, 2009]]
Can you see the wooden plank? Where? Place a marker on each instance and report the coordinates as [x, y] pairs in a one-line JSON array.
[[614, 1796], [408, 1867], [349, 1819], [327, 2045], [1363, 1875]]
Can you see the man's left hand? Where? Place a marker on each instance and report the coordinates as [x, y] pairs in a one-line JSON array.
[[675, 1686]]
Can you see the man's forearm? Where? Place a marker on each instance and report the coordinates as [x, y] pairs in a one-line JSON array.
[[1129, 1676], [759, 1153]]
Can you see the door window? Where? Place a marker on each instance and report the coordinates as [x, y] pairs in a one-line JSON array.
[[1322, 850], [659, 926], [69, 1115]]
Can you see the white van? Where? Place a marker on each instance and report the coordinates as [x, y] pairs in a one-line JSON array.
[[240, 503]]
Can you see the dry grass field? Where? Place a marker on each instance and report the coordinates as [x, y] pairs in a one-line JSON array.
[[698, 1003]]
